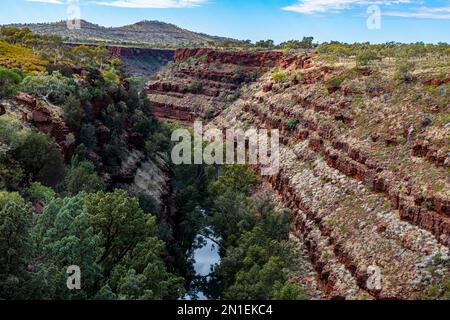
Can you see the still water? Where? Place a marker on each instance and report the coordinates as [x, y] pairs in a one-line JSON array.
[[205, 258]]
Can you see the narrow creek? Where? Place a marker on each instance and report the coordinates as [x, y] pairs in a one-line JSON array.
[[206, 258]]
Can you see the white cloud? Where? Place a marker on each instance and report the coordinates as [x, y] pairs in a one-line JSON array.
[[47, 1], [322, 6], [440, 13], [152, 3]]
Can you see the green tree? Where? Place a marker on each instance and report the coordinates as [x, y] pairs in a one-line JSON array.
[[15, 222], [120, 221], [254, 246], [147, 277], [54, 87], [73, 113], [40, 158], [14, 35], [64, 236], [265, 44], [256, 282], [366, 57], [38, 192], [88, 136], [288, 291], [9, 81], [81, 176], [236, 178]]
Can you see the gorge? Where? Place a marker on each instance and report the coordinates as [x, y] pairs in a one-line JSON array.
[[359, 208], [354, 211]]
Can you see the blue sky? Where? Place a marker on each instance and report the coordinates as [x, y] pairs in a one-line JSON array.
[[342, 20]]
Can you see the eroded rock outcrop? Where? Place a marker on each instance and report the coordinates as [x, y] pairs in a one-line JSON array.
[[43, 115], [203, 82]]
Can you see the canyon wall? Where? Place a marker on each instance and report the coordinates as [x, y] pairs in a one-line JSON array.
[[200, 83], [366, 179]]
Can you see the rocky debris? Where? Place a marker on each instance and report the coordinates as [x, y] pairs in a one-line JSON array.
[[153, 33], [405, 285], [307, 276], [26, 100], [426, 150], [345, 213], [151, 178], [127, 172], [426, 122], [355, 163], [437, 82]]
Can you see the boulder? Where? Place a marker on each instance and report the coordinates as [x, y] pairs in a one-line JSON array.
[[26, 99]]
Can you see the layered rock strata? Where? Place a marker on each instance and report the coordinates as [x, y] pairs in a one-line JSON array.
[[366, 176]]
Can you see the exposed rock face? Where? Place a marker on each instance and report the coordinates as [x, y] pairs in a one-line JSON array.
[[126, 52], [44, 116], [437, 82], [149, 177], [202, 82], [264, 59], [425, 209], [349, 231], [370, 196]]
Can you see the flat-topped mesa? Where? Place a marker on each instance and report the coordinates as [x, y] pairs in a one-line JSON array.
[[202, 82]]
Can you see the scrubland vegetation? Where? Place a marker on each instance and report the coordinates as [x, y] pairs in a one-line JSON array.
[[60, 204], [57, 211]]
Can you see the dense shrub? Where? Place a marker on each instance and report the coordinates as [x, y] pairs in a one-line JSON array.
[[87, 136], [279, 76], [404, 70], [18, 57], [81, 176], [40, 158], [366, 57], [54, 87], [73, 112], [292, 124], [195, 87], [9, 80], [15, 246]]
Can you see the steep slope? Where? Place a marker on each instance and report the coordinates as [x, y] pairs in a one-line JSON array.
[[364, 164], [203, 82], [145, 32]]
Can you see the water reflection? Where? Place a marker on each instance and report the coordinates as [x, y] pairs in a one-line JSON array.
[[205, 257]]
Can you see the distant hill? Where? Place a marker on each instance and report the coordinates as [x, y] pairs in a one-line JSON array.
[[144, 32]]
